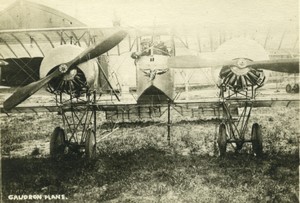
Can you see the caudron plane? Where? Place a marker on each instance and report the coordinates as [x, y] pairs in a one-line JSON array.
[[71, 73], [238, 65]]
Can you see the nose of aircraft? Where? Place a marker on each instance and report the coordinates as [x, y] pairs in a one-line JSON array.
[[243, 51]]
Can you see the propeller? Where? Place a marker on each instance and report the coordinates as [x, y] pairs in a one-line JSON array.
[[279, 65], [196, 62], [91, 52]]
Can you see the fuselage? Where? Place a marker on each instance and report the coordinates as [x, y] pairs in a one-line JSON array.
[[155, 83]]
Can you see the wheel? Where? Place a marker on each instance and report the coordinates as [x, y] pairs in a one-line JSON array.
[[288, 88], [90, 144], [57, 142], [256, 138], [222, 139], [296, 88]]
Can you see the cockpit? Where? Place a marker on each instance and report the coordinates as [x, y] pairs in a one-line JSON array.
[[154, 45]]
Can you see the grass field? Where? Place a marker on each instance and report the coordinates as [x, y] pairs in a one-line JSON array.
[[136, 164]]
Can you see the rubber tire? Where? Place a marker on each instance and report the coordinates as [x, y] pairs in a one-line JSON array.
[[296, 88], [257, 140], [222, 139], [57, 142], [288, 88], [90, 144]]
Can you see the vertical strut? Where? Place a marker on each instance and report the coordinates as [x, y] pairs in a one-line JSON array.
[[94, 112], [169, 123]]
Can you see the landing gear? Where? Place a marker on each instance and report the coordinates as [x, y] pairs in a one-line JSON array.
[[296, 88], [232, 131], [78, 134], [222, 139], [235, 120], [256, 138], [90, 144], [290, 89], [57, 142]]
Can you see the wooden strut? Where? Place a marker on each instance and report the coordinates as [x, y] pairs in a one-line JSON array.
[[169, 123], [94, 112], [78, 124]]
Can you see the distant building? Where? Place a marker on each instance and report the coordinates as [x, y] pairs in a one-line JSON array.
[[27, 15]]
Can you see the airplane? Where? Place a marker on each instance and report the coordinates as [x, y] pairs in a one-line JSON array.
[[239, 66], [71, 74]]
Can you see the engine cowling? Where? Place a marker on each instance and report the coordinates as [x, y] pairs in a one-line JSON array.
[[240, 76], [80, 79]]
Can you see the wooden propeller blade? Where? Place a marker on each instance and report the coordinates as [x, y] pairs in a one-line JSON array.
[[94, 51], [195, 62], [279, 65], [98, 49], [24, 92]]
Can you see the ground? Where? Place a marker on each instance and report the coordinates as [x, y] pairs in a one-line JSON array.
[[136, 164]]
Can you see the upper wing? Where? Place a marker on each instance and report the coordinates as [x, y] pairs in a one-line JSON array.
[[37, 42]]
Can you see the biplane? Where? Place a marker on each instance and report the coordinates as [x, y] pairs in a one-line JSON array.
[[74, 75]]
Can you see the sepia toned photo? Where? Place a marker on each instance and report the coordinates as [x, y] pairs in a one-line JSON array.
[[149, 101]]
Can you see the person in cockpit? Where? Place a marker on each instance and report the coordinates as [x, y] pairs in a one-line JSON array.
[[161, 49], [145, 49]]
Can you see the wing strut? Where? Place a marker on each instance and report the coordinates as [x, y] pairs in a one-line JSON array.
[[106, 78]]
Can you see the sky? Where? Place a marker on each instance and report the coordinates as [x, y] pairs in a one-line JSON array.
[[99, 13]]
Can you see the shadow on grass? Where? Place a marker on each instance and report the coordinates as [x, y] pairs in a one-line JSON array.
[[117, 173], [146, 123]]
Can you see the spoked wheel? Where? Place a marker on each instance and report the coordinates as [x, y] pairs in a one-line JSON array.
[[90, 144], [288, 88], [296, 88], [256, 138], [222, 139], [57, 142]]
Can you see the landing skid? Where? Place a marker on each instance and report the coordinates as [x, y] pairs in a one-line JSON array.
[[233, 129], [78, 131]]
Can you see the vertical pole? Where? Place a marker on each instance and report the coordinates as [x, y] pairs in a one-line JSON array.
[[60, 97], [169, 123], [94, 112]]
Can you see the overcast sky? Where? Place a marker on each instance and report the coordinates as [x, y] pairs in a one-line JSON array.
[[99, 13]]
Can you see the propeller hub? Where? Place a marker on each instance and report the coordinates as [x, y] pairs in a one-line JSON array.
[[241, 63], [241, 67], [70, 76], [239, 71], [63, 68]]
